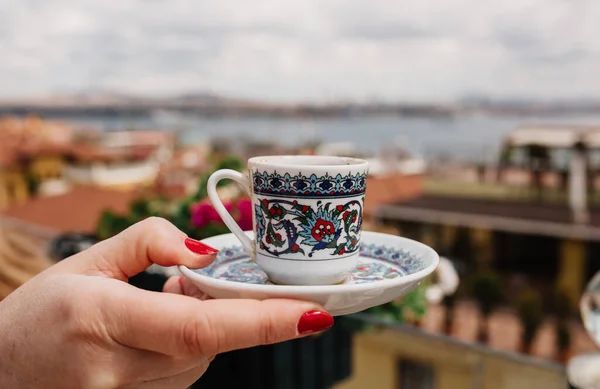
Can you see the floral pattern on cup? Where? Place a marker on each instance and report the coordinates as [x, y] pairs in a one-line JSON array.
[[284, 227], [377, 263], [309, 186]]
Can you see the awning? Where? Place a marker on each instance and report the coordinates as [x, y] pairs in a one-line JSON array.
[[554, 136]]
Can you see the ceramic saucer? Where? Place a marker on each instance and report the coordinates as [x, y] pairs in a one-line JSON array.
[[389, 267]]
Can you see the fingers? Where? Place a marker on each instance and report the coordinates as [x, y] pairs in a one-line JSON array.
[[188, 326], [225, 325], [153, 240], [183, 286]]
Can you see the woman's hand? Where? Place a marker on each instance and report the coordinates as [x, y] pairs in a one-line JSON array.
[[80, 325]]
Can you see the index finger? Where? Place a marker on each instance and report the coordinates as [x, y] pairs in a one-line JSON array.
[[180, 325]]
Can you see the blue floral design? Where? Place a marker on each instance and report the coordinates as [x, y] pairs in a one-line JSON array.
[[244, 271], [312, 186], [377, 263], [408, 262]]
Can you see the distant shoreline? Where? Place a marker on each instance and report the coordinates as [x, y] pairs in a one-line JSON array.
[[324, 112]]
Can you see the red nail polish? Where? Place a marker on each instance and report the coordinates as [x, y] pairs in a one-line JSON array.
[[314, 321], [199, 247]]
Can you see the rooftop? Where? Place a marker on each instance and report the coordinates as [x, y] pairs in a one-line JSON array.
[[505, 215], [557, 136], [75, 211]]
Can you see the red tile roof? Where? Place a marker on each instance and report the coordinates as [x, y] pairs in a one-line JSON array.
[[75, 211]]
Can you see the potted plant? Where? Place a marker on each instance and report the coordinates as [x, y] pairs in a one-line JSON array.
[[563, 340], [486, 289], [449, 303], [530, 310], [561, 307]]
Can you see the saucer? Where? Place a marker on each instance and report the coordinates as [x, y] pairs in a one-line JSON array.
[[389, 267]]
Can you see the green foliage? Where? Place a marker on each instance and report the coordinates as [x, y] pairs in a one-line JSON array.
[[530, 309], [486, 288], [111, 224], [412, 307], [177, 213], [231, 163]]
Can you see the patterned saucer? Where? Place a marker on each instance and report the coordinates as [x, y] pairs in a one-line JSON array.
[[388, 268]]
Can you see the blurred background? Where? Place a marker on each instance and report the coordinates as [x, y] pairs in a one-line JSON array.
[[481, 122]]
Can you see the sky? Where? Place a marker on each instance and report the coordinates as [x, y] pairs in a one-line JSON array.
[[302, 50]]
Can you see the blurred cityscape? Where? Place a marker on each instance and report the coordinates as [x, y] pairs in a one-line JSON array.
[[521, 233], [506, 190]]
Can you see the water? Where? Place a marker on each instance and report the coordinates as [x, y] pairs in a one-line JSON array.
[[472, 138]]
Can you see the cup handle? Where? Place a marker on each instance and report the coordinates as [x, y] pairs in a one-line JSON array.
[[213, 196]]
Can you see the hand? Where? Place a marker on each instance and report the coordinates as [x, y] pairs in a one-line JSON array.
[[80, 325]]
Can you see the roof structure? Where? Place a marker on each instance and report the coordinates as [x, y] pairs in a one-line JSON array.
[[75, 211], [509, 216], [554, 136]]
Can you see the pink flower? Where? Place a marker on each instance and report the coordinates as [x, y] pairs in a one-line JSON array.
[[204, 213], [245, 213]]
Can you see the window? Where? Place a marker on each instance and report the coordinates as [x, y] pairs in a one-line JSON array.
[[415, 375]]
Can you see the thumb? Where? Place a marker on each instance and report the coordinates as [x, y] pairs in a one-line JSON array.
[[153, 240], [190, 326]]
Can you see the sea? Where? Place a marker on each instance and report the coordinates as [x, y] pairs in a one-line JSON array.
[[474, 138]]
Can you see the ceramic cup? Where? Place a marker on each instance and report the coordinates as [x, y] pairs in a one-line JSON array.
[[307, 215]]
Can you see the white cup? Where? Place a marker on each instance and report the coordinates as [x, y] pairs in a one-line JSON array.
[[307, 215]]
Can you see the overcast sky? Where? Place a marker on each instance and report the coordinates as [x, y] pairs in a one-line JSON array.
[[302, 49]]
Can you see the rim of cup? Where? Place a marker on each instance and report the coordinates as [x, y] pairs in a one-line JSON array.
[[308, 161]]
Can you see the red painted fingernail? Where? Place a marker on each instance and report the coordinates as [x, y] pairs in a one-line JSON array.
[[314, 321], [199, 247]]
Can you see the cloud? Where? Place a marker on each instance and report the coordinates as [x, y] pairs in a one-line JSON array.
[[301, 50]]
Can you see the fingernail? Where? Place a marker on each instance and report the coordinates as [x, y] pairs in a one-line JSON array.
[[199, 247], [181, 282], [314, 321]]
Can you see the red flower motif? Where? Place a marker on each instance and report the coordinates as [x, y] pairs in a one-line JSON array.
[[347, 213], [305, 208], [322, 229], [265, 202], [342, 251], [340, 208], [295, 248]]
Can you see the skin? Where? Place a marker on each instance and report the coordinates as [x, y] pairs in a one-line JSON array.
[[80, 325]]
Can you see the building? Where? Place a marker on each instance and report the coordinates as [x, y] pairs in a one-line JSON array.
[[544, 230], [124, 159], [31, 158], [535, 221], [396, 356]]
